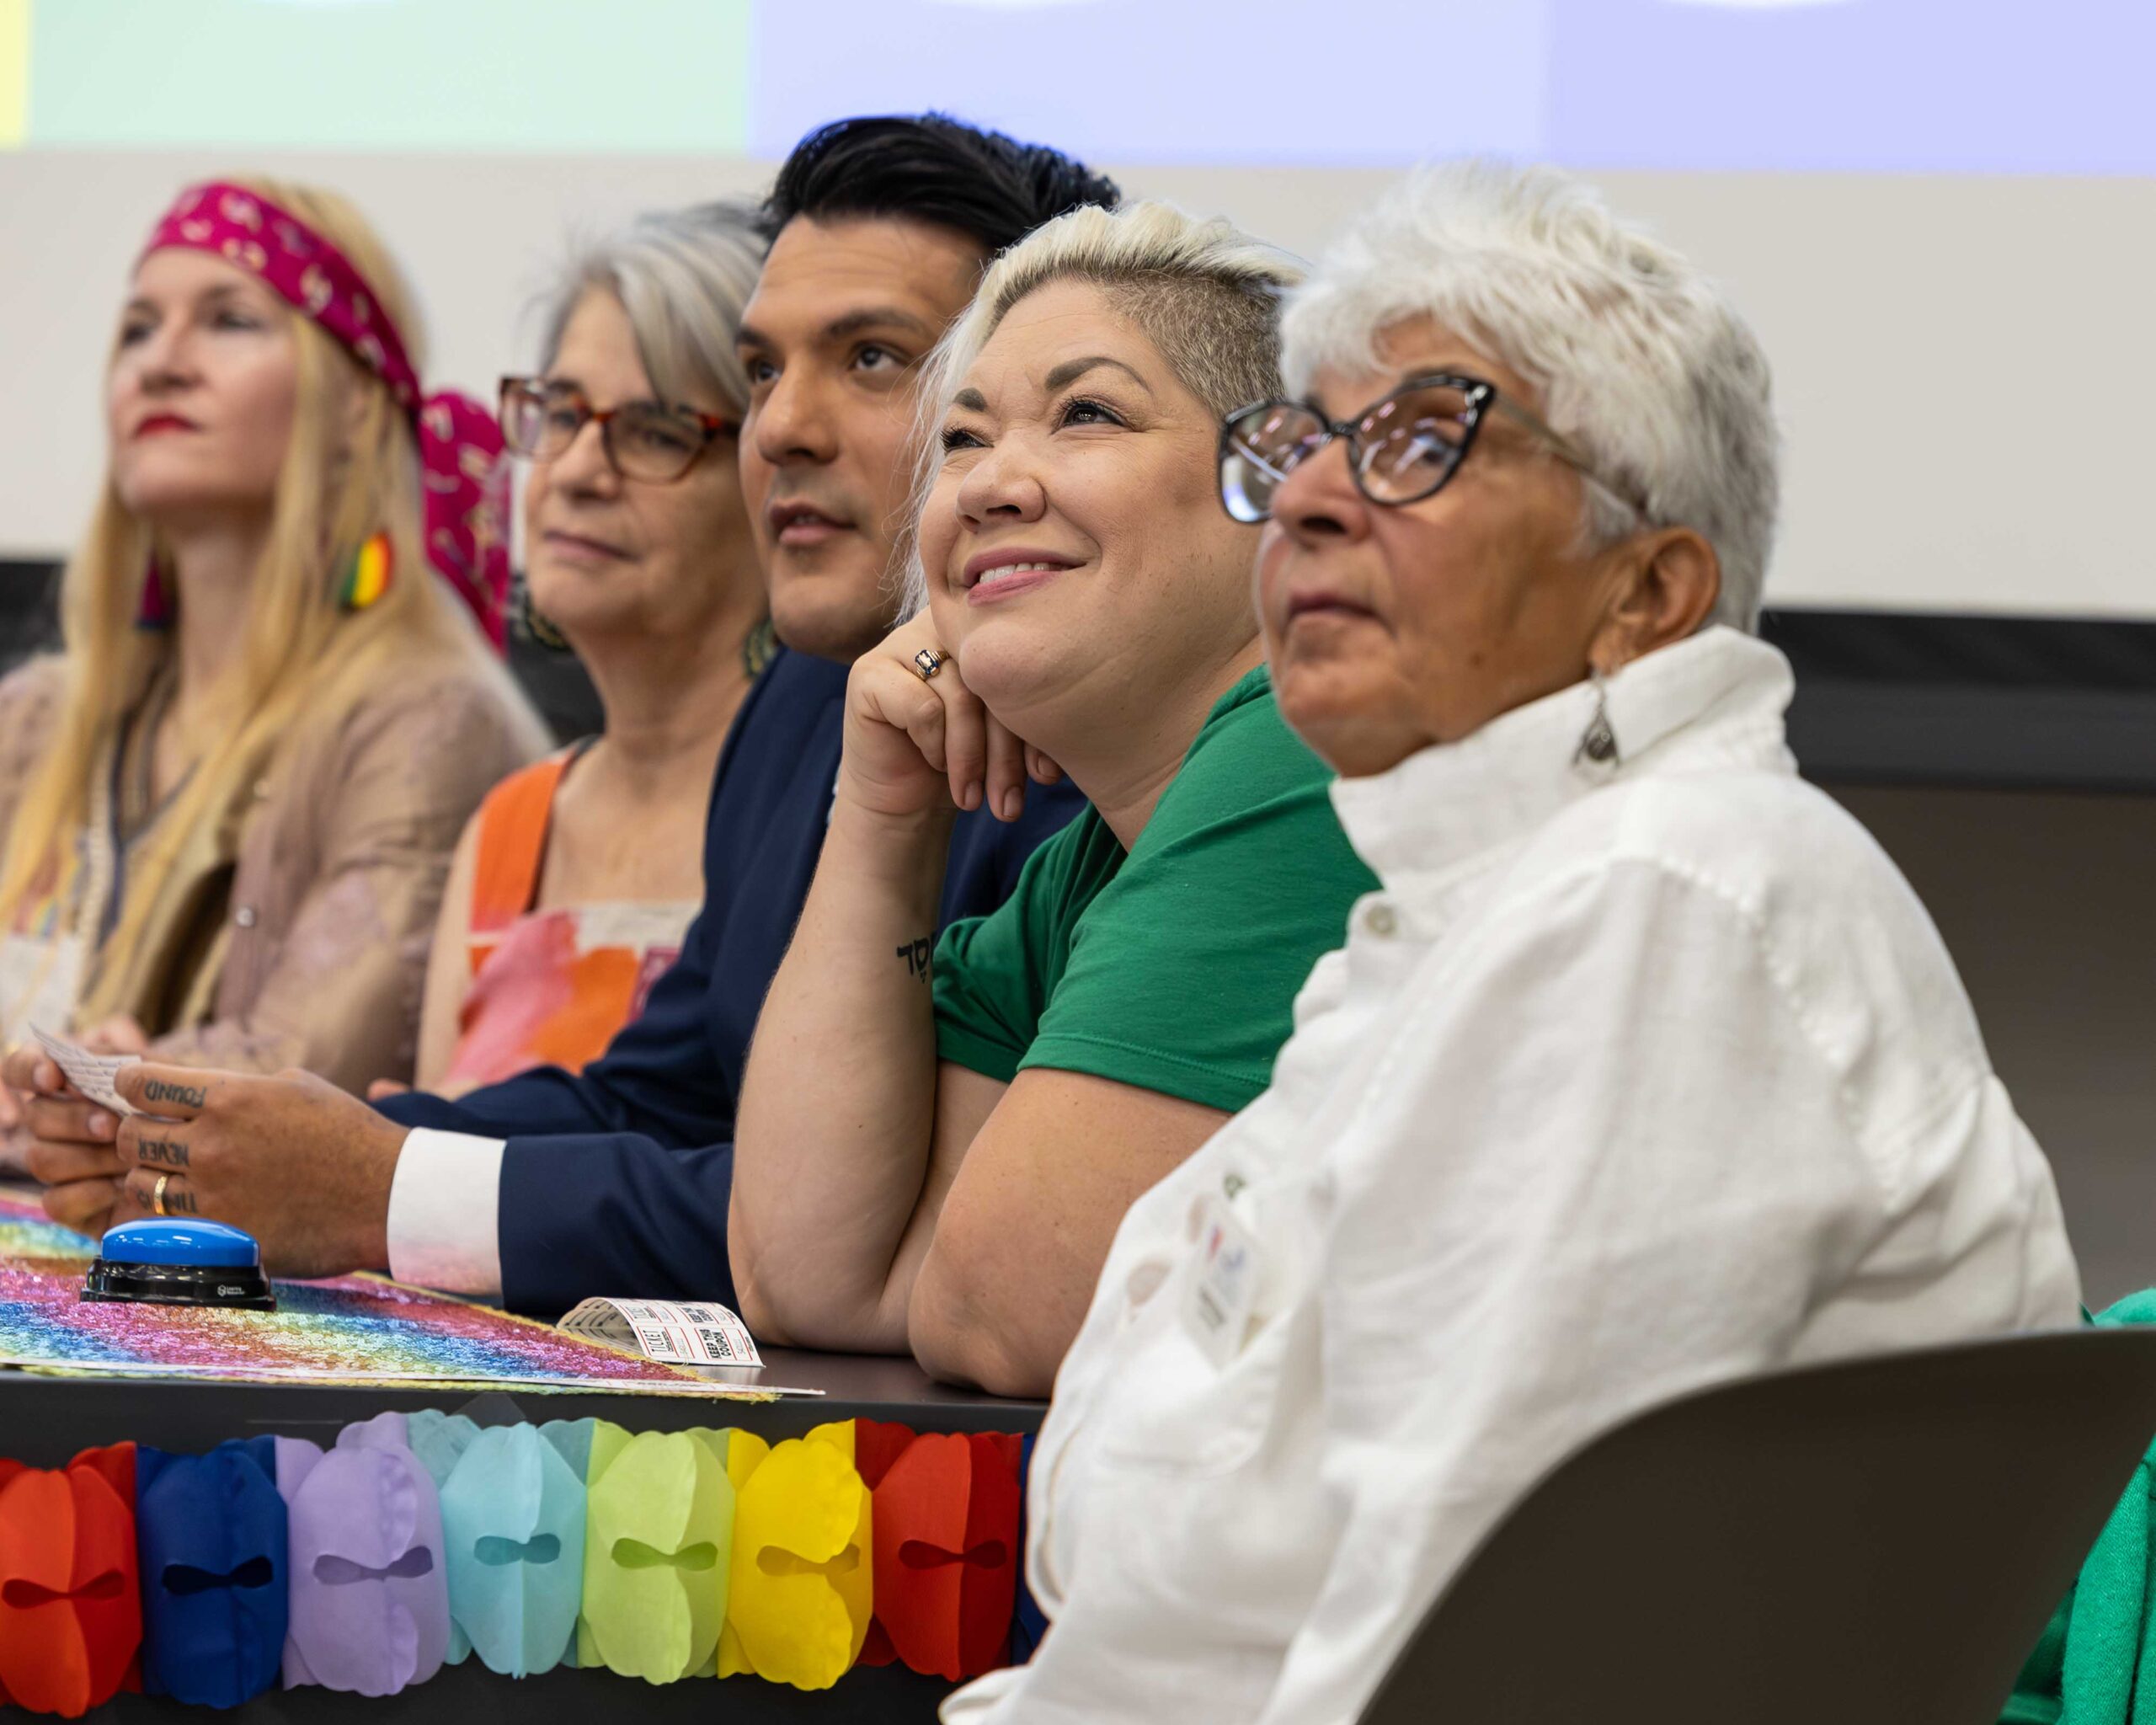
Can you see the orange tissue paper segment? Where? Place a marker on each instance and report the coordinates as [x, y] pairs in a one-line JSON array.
[[71, 1612], [803, 1559], [947, 1551]]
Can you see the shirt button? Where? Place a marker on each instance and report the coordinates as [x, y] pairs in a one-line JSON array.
[[1145, 1283], [1381, 921], [244, 917]]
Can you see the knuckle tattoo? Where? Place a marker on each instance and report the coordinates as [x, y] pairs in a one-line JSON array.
[[167, 1152]]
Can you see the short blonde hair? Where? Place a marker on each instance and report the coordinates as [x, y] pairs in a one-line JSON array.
[[1203, 293]]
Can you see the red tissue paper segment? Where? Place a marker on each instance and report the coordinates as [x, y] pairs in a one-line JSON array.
[[71, 1609], [876, 1444], [946, 1546]]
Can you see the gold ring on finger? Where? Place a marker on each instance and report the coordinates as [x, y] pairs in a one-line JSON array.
[[928, 661], [158, 1195]]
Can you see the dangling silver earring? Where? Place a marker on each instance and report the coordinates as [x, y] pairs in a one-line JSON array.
[[1599, 741]]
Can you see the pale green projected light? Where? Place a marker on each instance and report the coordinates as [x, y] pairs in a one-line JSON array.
[[568, 77]]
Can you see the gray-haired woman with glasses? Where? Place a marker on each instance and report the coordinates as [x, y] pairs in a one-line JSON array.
[[576, 881], [1643, 1068]]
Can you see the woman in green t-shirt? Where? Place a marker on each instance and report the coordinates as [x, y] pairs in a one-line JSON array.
[[936, 1140]]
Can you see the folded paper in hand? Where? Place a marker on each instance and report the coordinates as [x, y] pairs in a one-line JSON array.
[[90, 1074], [680, 1332]]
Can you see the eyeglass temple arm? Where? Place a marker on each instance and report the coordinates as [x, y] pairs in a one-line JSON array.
[[1561, 446]]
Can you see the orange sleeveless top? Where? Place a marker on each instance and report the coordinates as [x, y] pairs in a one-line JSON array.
[[549, 987]]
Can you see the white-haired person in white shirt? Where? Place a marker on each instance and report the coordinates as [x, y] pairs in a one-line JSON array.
[[1644, 1068]]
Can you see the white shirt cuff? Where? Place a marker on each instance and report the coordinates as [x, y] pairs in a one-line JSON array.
[[444, 1224]]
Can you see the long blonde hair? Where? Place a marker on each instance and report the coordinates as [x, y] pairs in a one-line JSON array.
[[348, 473]]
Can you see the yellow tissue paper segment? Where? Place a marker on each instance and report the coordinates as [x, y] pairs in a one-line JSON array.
[[745, 1454], [658, 1552], [804, 1560]]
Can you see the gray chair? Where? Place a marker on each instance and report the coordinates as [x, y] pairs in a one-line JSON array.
[[1873, 1542]]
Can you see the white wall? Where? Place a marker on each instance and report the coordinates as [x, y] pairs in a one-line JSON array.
[[1965, 364]]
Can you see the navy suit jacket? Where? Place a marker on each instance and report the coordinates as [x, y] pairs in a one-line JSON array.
[[616, 1182]]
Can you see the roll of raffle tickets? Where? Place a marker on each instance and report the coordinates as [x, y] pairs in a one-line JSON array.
[[420, 1540]]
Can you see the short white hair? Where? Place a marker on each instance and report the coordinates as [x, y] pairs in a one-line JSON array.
[[1641, 361], [1205, 293], [683, 278]]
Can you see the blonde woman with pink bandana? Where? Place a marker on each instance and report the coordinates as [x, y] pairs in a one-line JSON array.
[[228, 808]]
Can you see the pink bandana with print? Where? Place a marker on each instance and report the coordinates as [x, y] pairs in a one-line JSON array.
[[462, 473]]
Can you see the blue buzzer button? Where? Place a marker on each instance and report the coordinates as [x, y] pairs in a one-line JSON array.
[[163, 1262]]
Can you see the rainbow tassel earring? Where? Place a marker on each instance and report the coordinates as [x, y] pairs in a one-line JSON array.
[[154, 615], [369, 576]]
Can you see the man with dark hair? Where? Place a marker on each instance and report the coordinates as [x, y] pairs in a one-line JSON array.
[[880, 228], [935, 169], [550, 1188]]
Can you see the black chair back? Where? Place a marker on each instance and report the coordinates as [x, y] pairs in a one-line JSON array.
[[1878, 1542]]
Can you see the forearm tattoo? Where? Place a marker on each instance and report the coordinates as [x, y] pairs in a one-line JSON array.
[[186, 1095], [171, 1152], [919, 955]]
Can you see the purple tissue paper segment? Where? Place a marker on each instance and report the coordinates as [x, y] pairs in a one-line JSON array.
[[370, 1598]]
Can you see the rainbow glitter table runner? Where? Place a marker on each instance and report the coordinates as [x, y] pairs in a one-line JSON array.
[[352, 1330]]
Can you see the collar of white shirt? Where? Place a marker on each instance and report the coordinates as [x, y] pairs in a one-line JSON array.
[[1716, 699]]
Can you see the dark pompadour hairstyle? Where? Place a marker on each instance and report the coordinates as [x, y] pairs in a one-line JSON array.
[[930, 167]]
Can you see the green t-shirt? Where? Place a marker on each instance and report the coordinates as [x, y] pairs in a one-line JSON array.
[[1173, 968]]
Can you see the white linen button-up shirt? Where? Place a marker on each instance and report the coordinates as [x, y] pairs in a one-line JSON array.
[[1630, 1079]]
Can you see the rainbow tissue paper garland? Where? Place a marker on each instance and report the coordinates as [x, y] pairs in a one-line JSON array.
[[420, 1540], [352, 1330]]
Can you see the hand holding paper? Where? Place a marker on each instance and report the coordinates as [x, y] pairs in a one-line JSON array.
[[65, 1140], [92, 1075], [226, 1144]]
